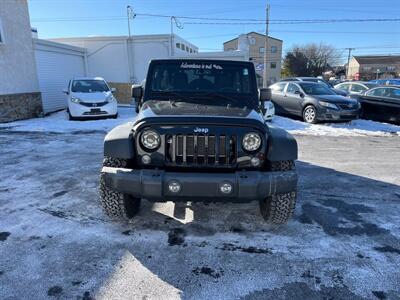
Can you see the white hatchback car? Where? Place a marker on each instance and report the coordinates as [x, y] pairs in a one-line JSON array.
[[90, 98]]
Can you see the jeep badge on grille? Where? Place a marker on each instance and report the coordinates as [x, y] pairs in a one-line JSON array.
[[200, 130]]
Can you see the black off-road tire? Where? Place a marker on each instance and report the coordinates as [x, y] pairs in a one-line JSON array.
[[278, 209], [117, 205]]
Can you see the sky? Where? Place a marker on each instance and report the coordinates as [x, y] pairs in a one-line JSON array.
[[72, 18]]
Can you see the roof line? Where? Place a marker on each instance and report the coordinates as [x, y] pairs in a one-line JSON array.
[[254, 33]]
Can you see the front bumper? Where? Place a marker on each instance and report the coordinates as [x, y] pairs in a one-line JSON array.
[[153, 184], [338, 115], [77, 110]]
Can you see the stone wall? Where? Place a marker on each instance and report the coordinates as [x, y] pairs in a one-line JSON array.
[[123, 93], [20, 106]]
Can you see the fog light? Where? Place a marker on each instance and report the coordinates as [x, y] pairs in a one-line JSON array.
[[255, 161], [146, 159], [174, 187], [226, 188]]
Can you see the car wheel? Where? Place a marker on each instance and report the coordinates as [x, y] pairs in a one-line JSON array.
[[117, 205], [278, 208], [310, 114]]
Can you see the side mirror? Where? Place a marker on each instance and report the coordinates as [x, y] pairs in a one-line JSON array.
[[113, 90], [137, 91], [299, 93], [265, 94], [65, 91]]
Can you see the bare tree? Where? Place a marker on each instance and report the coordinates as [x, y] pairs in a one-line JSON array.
[[311, 59]]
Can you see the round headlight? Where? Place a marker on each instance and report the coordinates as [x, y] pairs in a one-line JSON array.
[[251, 141], [150, 139]]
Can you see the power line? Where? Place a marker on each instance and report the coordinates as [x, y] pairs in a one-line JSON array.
[[231, 21], [296, 22]]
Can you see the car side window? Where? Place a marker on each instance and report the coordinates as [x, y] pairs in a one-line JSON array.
[[278, 87], [394, 93], [344, 87], [357, 88], [292, 88], [376, 92]]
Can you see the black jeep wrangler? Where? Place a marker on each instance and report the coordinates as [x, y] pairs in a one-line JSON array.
[[199, 136]]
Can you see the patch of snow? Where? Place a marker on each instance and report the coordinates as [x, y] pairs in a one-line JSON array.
[[58, 122], [354, 128]]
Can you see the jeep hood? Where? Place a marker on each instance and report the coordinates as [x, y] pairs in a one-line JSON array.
[[165, 108]]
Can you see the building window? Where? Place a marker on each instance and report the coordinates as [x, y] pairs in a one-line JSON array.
[[252, 40], [178, 45], [183, 47], [261, 50], [274, 49], [191, 50], [1, 33], [273, 65], [391, 68], [367, 68], [187, 49]]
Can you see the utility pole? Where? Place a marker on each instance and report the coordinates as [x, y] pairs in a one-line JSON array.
[[266, 47], [130, 15], [172, 36], [348, 60]]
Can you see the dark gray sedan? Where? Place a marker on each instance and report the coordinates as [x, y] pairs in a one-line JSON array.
[[381, 104], [313, 102]]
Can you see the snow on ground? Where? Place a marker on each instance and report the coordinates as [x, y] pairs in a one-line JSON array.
[[353, 128], [343, 241], [58, 122]]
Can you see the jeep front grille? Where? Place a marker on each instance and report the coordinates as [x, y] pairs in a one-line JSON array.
[[201, 150]]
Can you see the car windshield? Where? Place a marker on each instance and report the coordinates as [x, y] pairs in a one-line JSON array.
[[318, 81], [89, 86], [371, 85], [316, 89], [203, 80]]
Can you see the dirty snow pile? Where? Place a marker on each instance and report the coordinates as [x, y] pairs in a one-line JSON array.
[[59, 123], [353, 128]]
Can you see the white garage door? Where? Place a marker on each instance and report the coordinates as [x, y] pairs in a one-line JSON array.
[[55, 69]]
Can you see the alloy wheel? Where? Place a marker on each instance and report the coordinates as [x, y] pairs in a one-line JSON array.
[[309, 114]]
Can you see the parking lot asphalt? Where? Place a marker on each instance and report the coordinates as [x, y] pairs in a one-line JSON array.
[[55, 242]]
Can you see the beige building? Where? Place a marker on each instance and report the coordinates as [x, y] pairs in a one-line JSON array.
[[374, 67], [255, 44]]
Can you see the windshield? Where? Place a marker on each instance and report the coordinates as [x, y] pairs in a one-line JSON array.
[[203, 80], [89, 86], [318, 81], [316, 89], [370, 85]]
